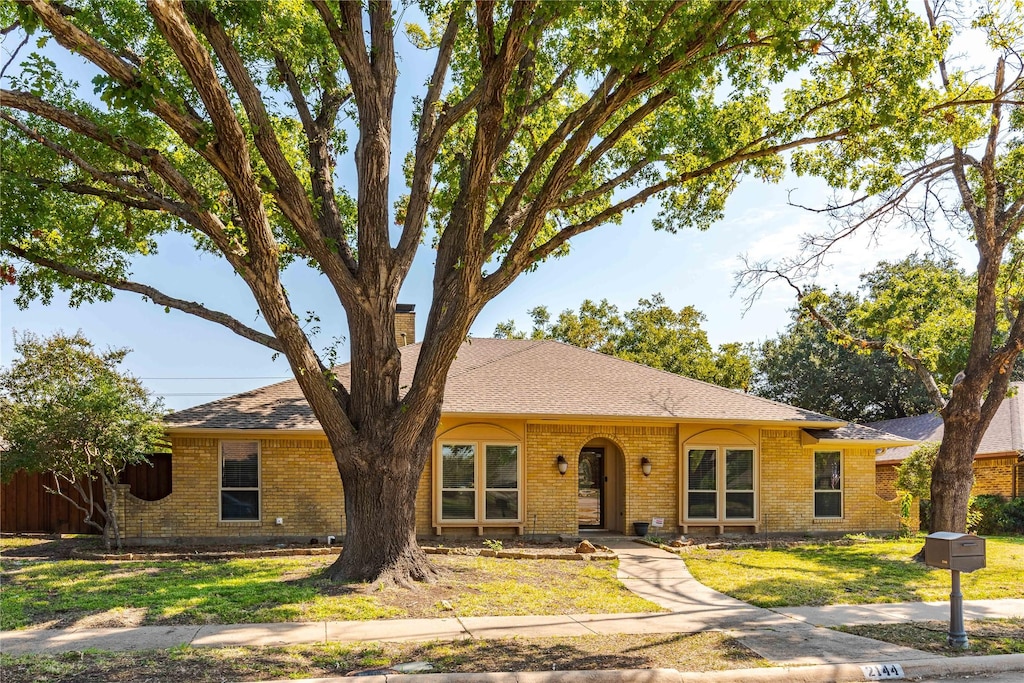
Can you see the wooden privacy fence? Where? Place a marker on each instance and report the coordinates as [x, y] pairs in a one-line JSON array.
[[27, 507]]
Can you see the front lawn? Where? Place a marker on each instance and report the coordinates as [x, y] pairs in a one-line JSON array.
[[867, 571], [80, 593], [708, 651], [986, 636]]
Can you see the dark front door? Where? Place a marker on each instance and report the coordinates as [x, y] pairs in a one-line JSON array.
[[591, 495]]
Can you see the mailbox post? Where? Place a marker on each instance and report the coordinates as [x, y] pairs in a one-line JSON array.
[[958, 553]]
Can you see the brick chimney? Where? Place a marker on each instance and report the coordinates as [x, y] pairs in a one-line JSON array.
[[405, 324]]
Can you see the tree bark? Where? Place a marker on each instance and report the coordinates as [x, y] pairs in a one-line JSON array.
[[380, 485], [953, 474]]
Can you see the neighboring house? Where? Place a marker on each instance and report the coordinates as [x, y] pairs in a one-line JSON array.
[[633, 443], [998, 464]]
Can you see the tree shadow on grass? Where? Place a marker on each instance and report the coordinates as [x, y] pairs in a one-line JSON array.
[[833, 577]]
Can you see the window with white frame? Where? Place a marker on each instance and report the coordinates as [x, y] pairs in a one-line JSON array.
[[458, 481], [502, 471], [480, 482], [828, 484], [240, 481], [720, 483]]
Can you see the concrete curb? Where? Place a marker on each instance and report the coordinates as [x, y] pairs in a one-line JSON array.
[[935, 667]]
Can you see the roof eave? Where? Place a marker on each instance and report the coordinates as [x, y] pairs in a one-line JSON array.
[[570, 417]]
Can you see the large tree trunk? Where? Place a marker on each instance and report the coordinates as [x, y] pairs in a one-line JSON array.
[[953, 475], [380, 513]]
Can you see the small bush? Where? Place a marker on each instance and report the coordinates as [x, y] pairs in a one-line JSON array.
[[494, 544], [994, 514], [983, 514], [1013, 516]]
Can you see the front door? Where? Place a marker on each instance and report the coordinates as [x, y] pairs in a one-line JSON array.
[[591, 490]]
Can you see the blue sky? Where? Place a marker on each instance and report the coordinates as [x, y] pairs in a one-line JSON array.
[[191, 361]]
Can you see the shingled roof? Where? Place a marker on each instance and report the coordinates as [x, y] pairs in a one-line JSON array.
[[1005, 434], [533, 378]]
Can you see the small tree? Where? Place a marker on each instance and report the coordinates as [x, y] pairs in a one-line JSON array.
[[68, 410], [914, 475]]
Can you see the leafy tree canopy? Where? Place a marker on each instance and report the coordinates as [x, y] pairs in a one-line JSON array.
[[263, 132], [969, 179], [67, 409], [652, 334], [804, 366]]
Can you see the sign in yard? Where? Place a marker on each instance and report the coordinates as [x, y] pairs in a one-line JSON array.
[[658, 521]]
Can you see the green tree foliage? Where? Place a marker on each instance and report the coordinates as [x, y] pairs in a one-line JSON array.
[[914, 474], [228, 122], [804, 366], [968, 177], [651, 334], [67, 409]]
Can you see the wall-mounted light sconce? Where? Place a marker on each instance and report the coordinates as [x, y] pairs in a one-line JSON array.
[[563, 464], [645, 466]]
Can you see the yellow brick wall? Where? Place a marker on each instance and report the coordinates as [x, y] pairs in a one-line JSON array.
[[992, 476], [299, 482], [405, 324], [552, 501], [787, 489], [885, 481]]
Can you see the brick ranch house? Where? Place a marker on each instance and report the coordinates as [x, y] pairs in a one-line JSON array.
[[998, 464], [536, 437]]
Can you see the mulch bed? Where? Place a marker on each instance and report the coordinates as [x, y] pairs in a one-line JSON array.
[[55, 548]]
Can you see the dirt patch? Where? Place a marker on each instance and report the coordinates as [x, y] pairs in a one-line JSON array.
[[121, 617], [689, 652], [986, 636]]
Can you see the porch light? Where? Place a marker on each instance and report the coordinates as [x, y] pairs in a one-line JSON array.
[[563, 464], [645, 466]]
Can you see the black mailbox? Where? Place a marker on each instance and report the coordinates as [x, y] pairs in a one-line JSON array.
[[959, 552]]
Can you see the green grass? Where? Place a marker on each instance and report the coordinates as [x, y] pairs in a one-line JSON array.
[[869, 571], [94, 593], [986, 636], [691, 652], [10, 542]]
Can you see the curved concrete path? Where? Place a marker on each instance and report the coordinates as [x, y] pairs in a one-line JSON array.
[[786, 637], [663, 578]]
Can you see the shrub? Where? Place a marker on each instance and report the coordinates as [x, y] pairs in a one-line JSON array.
[[983, 514], [1013, 516], [994, 514]]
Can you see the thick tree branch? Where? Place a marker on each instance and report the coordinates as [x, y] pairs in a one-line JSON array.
[[428, 141], [205, 221], [317, 131], [72, 38], [291, 194], [153, 294], [231, 142]]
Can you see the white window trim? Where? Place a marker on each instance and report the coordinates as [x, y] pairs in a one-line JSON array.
[[479, 482], [725, 490], [476, 480], [720, 483], [483, 479], [842, 484], [220, 481]]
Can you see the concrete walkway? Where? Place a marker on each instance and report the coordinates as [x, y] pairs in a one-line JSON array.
[[786, 637], [780, 636]]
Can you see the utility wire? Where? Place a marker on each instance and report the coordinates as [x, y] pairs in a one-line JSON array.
[[220, 378]]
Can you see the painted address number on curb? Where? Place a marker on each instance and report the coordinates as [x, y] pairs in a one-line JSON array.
[[880, 672]]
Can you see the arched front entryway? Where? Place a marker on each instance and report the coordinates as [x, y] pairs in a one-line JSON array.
[[602, 486]]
